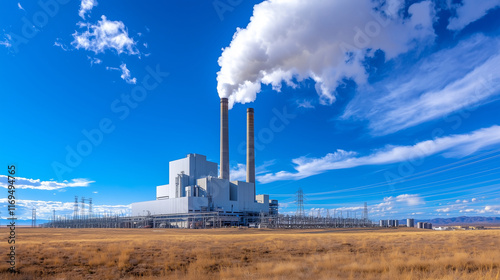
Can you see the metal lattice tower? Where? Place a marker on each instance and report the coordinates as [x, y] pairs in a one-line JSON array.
[[90, 207], [365, 213], [300, 203], [33, 217], [83, 207], [75, 209]]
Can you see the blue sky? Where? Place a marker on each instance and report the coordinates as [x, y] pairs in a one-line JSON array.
[[390, 102]]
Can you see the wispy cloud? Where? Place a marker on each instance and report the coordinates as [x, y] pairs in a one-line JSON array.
[[488, 209], [239, 172], [6, 41], [105, 35], [126, 74], [94, 60], [445, 82], [304, 104], [58, 43], [37, 184], [450, 146], [395, 204], [20, 7], [86, 6], [469, 11]]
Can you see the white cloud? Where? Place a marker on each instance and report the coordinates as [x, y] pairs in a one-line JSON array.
[[283, 43], [59, 44], [304, 104], [86, 6], [397, 203], [6, 41], [20, 7], [488, 209], [37, 184], [239, 172], [126, 74], [450, 146], [445, 82], [106, 35], [410, 199], [94, 60], [444, 210], [470, 11]]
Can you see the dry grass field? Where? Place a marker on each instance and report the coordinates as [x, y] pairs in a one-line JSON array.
[[253, 254]]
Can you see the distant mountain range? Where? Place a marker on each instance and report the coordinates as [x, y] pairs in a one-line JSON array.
[[460, 221]]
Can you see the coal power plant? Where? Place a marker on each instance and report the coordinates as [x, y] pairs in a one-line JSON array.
[[195, 188], [199, 196]]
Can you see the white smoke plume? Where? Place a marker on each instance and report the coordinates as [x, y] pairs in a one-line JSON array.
[[289, 41]]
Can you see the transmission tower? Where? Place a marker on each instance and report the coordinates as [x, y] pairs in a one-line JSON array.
[[90, 207], [83, 207], [300, 203], [75, 209], [365, 213], [33, 217], [53, 218]]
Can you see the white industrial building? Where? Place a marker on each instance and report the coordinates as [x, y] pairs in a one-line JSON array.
[[195, 188]]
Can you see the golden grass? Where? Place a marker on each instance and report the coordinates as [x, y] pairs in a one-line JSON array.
[[253, 254]]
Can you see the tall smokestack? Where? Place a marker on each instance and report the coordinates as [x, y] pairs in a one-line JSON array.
[[224, 140], [250, 148]]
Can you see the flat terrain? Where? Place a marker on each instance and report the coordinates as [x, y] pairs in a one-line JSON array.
[[253, 254]]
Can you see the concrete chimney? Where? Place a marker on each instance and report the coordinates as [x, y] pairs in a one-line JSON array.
[[224, 139], [250, 148]]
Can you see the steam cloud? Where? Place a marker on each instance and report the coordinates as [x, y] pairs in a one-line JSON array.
[[289, 41]]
